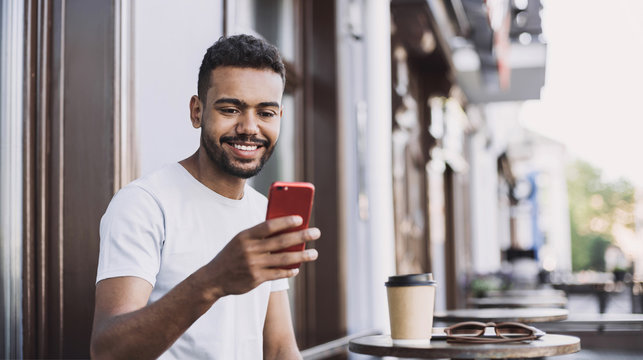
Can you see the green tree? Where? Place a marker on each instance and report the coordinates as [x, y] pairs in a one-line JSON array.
[[595, 205]]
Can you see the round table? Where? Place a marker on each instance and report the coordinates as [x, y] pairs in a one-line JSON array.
[[523, 315], [519, 302], [547, 345], [525, 293], [602, 290]]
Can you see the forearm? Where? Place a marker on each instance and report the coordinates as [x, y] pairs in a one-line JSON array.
[[149, 331], [278, 335], [289, 353], [124, 327]]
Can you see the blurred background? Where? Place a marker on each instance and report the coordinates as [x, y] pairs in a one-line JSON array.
[[492, 143]]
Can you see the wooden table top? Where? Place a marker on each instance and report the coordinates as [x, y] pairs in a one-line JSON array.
[[519, 302], [590, 287], [523, 315], [525, 293], [547, 345], [596, 322], [615, 319]]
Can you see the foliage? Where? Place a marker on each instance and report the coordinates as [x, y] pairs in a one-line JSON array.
[[595, 205], [482, 284]]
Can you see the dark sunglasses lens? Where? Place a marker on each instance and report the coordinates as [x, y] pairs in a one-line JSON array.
[[467, 330], [513, 330]]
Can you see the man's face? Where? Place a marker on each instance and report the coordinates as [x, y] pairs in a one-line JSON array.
[[240, 119]]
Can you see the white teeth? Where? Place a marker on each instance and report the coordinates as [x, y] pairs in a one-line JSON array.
[[245, 148]]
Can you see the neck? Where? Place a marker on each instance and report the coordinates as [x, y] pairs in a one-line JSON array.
[[209, 174]]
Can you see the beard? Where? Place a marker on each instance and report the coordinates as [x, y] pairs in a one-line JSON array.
[[230, 165]]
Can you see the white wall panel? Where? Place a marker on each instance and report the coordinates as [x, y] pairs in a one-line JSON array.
[[170, 38]]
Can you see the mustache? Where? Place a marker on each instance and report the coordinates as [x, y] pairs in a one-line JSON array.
[[247, 139]]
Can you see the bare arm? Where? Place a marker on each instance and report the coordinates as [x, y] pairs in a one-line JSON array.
[[125, 328], [278, 335], [122, 322]]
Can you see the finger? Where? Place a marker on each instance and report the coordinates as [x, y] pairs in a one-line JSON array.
[[272, 226], [274, 274], [286, 258], [287, 240]]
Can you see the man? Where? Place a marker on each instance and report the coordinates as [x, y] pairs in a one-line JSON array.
[[186, 267]]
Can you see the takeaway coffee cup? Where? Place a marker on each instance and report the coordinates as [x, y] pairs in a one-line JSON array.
[[411, 301]]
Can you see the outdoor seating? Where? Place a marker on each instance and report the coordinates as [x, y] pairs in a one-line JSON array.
[[601, 289], [518, 302], [335, 347], [538, 292], [602, 331], [547, 345], [523, 315]]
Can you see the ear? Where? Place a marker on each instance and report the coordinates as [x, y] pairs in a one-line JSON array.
[[196, 111]]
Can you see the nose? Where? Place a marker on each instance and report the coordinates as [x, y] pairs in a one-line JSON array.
[[248, 124]]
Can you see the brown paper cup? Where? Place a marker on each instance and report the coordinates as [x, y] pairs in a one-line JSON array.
[[411, 301]]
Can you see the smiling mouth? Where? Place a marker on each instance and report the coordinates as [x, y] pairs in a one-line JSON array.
[[244, 144], [245, 147]]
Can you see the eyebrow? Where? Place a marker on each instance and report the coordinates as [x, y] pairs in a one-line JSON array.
[[269, 104], [241, 103]]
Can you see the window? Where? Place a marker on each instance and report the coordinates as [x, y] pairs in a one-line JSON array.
[[272, 20]]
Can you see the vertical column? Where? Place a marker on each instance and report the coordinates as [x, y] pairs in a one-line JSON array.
[[69, 164], [381, 249], [11, 114], [321, 305]]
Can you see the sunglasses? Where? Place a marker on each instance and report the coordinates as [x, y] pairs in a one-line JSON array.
[[473, 331]]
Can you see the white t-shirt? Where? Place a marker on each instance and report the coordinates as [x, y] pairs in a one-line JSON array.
[[165, 226]]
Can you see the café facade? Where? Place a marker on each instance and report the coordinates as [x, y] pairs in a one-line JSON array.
[[388, 109]]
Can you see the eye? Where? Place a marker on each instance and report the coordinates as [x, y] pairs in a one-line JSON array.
[[267, 114], [229, 111]]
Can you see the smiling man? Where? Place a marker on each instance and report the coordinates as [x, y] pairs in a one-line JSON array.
[[187, 268]]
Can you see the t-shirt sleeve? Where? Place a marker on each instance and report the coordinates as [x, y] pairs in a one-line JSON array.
[[132, 232], [279, 285]]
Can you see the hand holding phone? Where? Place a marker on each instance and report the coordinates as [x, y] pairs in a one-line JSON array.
[[291, 198]]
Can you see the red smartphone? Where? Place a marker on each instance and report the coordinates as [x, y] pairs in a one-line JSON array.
[[291, 198]]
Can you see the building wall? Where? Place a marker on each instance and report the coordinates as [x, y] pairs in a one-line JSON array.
[[170, 39], [550, 161], [365, 147], [485, 247]]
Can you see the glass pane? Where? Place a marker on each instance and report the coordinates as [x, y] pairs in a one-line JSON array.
[[513, 330], [274, 20], [467, 330], [281, 166]]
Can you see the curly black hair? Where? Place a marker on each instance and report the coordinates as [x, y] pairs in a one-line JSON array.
[[240, 51]]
